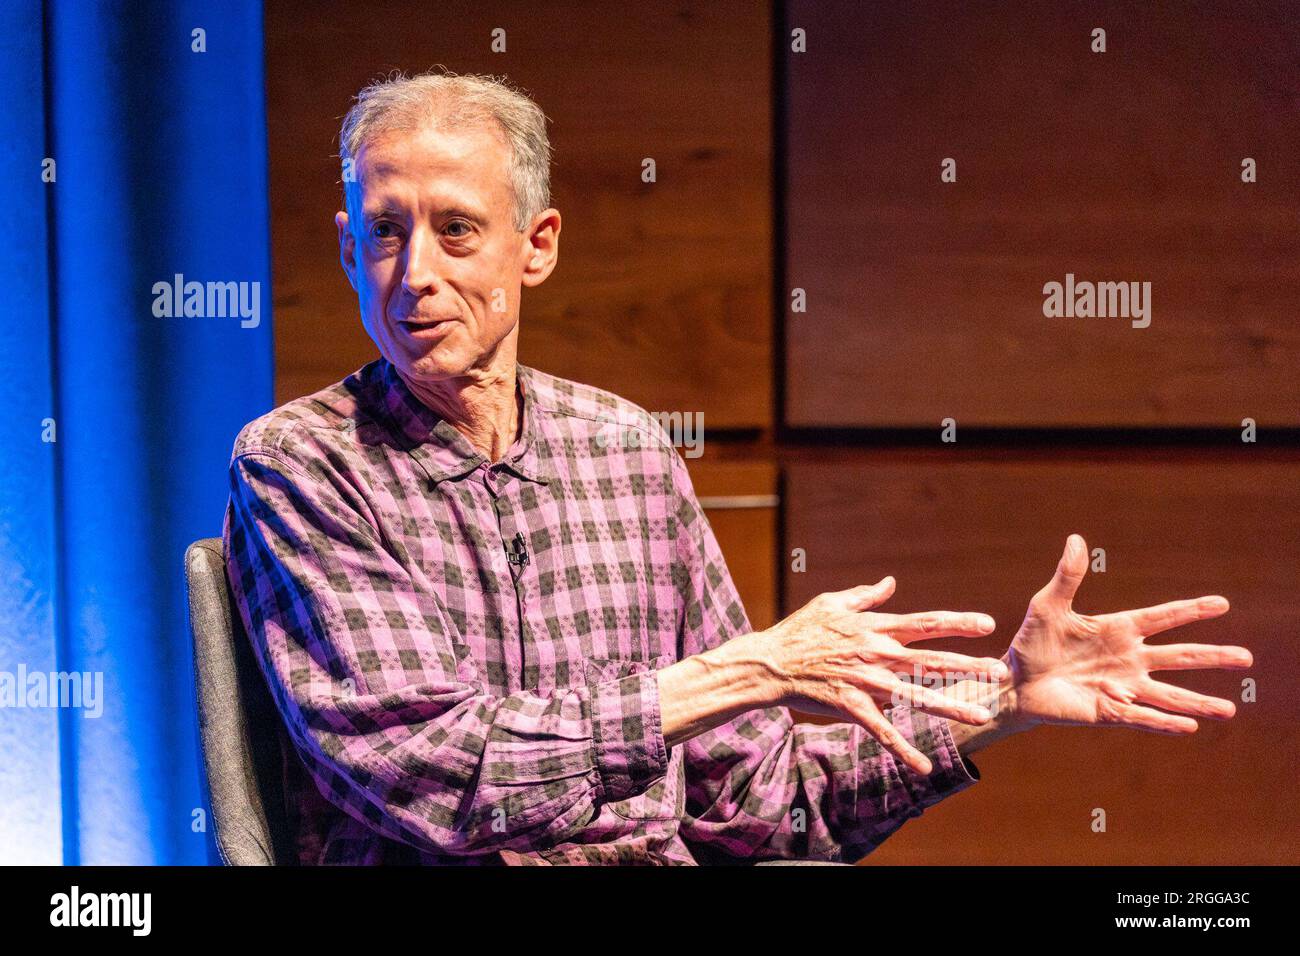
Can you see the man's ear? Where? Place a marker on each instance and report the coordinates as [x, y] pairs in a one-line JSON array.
[[543, 247], [347, 248]]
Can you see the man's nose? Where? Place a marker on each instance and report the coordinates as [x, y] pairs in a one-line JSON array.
[[422, 257]]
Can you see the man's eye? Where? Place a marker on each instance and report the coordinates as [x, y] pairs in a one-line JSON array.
[[384, 230], [458, 224]]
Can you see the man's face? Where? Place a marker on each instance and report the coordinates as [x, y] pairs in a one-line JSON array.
[[435, 258]]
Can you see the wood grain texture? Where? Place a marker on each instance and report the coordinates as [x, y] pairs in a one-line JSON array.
[[662, 292], [925, 299], [984, 533]]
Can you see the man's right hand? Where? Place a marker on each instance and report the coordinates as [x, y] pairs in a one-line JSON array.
[[837, 657]]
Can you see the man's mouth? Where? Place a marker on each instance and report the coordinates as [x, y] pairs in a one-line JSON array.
[[419, 322], [425, 327]]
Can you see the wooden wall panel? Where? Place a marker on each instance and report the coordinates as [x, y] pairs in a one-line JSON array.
[[662, 292], [984, 533], [741, 501], [925, 298]]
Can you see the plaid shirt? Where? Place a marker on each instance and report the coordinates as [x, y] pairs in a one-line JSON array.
[[465, 653]]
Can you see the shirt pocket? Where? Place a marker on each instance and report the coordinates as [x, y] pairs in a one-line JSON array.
[[665, 798]]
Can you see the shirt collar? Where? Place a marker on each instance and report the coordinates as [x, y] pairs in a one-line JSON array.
[[447, 453]]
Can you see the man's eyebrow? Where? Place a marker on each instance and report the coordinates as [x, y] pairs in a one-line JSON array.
[[465, 214], [385, 211], [379, 212]]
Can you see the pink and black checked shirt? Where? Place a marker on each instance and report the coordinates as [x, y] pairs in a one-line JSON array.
[[465, 653]]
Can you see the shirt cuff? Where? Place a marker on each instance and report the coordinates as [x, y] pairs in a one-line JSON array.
[[627, 730], [933, 737]]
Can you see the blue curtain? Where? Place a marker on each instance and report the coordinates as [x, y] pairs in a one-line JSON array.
[[132, 136]]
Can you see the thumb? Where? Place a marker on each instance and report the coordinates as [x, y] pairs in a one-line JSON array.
[[1070, 571], [866, 596]]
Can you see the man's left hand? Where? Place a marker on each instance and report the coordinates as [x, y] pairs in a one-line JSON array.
[[1071, 668]]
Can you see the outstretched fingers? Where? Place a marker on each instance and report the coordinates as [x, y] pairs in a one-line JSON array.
[[1194, 657], [924, 625], [1147, 718], [1164, 617], [933, 702], [955, 666], [861, 708], [1180, 700]]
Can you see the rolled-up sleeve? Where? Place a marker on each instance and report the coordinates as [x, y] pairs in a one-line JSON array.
[[385, 705], [762, 785]]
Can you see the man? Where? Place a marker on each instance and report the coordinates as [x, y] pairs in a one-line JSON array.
[[497, 633]]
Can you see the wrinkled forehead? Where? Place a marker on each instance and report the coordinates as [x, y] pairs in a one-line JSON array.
[[432, 163]]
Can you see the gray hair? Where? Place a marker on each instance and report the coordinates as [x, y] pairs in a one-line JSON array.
[[402, 103]]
